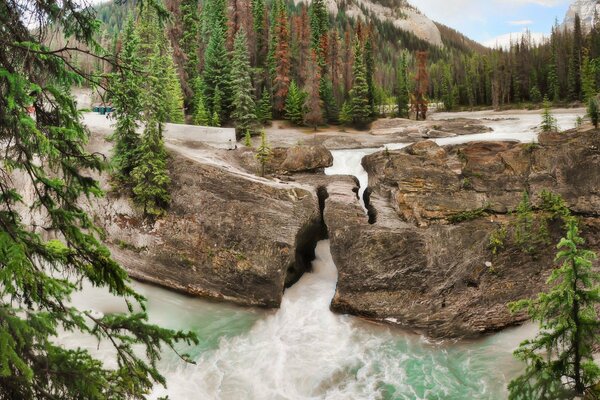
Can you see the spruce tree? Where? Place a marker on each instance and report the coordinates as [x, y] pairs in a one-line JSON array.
[[217, 111], [370, 71], [329, 103], [548, 120], [217, 72], [560, 362], [402, 96], [588, 79], [359, 95], [243, 104], [535, 96], [448, 89], [44, 265], [294, 104], [346, 114], [313, 103], [201, 115], [263, 153], [190, 38], [173, 93], [150, 176], [125, 95], [574, 73], [247, 139], [264, 107], [319, 24], [592, 111], [258, 16], [553, 82]]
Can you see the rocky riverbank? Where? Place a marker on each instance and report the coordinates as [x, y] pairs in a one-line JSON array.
[[427, 262], [420, 258]]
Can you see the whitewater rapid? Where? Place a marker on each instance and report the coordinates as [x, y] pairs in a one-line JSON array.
[[304, 351]]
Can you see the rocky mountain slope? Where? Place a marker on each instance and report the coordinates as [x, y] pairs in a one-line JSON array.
[[399, 13], [586, 9]]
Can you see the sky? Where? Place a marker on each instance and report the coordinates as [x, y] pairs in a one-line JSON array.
[[488, 21]]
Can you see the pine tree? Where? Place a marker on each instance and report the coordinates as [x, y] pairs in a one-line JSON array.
[[174, 96], [588, 79], [319, 24], [370, 71], [217, 111], [125, 95], [574, 74], [258, 15], [592, 111], [346, 114], [217, 72], [150, 176], [243, 104], [560, 362], [43, 266], [263, 109], [215, 120], [553, 83], [548, 120], [281, 57], [313, 104], [247, 139], [294, 104], [201, 115], [190, 38], [263, 153], [359, 95], [402, 97]]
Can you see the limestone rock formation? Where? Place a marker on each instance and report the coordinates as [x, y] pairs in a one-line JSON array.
[[588, 11]]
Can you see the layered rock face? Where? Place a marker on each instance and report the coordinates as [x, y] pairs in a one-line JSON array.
[[226, 236], [414, 268], [588, 10]]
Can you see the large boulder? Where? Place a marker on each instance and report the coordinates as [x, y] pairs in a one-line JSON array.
[[306, 158], [226, 236], [296, 159]]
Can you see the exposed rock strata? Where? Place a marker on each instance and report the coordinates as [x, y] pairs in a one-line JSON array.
[[414, 269], [225, 236]]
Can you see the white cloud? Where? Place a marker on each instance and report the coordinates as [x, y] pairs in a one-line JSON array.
[[521, 22], [506, 39]]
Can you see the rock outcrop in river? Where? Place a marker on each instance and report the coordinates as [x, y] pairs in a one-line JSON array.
[[421, 256], [426, 262]]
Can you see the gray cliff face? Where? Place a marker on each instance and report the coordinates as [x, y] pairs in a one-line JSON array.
[[399, 13], [588, 11]]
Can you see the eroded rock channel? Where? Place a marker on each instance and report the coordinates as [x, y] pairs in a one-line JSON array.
[[408, 260]]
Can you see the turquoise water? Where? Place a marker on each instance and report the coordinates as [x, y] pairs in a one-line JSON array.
[[303, 351]]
